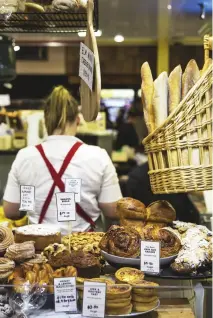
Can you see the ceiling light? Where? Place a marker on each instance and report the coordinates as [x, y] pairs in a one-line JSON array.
[[16, 48], [98, 33], [169, 7], [82, 34], [119, 38]]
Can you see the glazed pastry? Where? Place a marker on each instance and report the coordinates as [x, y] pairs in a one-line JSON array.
[[87, 265], [20, 252], [145, 288], [6, 267], [42, 234], [118, 292], [6, 239], [128, 275], [58, 255], [121, 241], [129, 208]]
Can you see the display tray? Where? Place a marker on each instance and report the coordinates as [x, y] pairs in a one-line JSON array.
[[134, 314], [133, 261]]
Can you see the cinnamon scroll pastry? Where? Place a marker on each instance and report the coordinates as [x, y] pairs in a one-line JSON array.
[[121, 241]]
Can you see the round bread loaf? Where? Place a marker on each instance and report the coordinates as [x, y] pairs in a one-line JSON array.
[[129, 208], [161, 211]]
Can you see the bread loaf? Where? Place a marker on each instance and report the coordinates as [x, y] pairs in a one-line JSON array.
[[161, 211], [131, 209], [175, 79], [160, 99], [147, 91], [190, 77]]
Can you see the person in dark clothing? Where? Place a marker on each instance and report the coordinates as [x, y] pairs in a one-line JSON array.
[[127, 135], [138, 187]]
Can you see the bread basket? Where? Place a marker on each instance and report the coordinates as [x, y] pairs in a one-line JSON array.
[[180, 150]]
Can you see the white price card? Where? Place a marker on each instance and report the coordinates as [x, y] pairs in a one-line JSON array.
[[27, 198], [65, 294], [86, 65], [4, 100], [150, 257], [94, 299], [74, 186], [66, 206]]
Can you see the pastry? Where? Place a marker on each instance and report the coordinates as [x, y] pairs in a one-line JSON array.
[[119, 311], [42, 234], [119, 304], [38, 259], [6, 267], [87, 265], [161, 211], [58, 255], [84, 241], [175, 83], [147, 92], [19, 252], [145, 288], [143, 299], [70, 271], [6, 239], [121, 241], [118, 292], [128, 275], [160, 99], [137, 306], [130, 208]]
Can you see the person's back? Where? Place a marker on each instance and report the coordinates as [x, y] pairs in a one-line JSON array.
[[91, 164]]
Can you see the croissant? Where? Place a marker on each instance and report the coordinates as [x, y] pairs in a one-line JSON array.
[[121, 241], [70, 271], [36, 268], [42, 275], [48, 269], [58, 273]]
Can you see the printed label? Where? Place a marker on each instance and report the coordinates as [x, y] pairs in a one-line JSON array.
[[65, 294], [74, 186], [66, 206], [86, 65], [150, 257], [27, 198], [94, 299]]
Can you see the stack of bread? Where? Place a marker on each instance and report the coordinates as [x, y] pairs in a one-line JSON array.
[[150, 222]]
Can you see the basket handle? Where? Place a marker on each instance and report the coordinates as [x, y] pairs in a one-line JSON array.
[[207, 42]]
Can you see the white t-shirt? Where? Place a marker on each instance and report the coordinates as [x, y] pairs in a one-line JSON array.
[[90, 163]]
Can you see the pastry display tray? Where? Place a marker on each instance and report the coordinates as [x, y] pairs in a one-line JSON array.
[[47, 22], [134, 314]]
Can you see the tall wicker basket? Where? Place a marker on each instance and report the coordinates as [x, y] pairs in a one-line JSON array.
[[180, 150]]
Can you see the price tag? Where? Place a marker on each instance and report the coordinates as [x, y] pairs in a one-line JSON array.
[[74, 186], [150, 257], [86, 65], [65, 294], [27, 198], [94, 299], [66, 206]]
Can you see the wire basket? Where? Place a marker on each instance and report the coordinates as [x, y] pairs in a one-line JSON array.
[[180, 150]]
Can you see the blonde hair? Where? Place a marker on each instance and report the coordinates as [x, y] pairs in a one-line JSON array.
[[60, 108]]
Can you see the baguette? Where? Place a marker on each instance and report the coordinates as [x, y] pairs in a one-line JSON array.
[[160, 99], [174, 82], [147, 91], [190, 77]]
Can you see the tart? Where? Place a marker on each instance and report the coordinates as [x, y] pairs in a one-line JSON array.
[[117, 291], [128, 275], [138, 306], [145, 288]]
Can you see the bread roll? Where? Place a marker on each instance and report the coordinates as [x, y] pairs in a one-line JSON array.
[[147, 91], [161, 211], [160, 99], [175, 79], [190, 77], [131, 209]]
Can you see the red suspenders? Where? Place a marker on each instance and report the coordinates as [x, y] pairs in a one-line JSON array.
[[59, 183]]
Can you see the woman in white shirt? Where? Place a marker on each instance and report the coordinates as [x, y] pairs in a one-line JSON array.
[[60, 157]]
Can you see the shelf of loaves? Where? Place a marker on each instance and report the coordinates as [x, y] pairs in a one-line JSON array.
[[34, 20]]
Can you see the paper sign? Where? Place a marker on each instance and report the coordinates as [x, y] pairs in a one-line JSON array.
[[94, 299], [27, 198], [4, 100], [86, 65], [150, 257], [74, 186], [66, 206], [65, 294]]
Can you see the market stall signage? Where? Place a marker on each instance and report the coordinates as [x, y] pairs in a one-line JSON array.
[[27, 198], [86, 66], [74, 186], [65, 294], [94, 299], [150, 257], [66, 209]]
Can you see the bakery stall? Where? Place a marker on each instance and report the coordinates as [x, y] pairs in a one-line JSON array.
[[149, 264]]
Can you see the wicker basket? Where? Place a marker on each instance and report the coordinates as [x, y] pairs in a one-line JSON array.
[[180, 150]]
